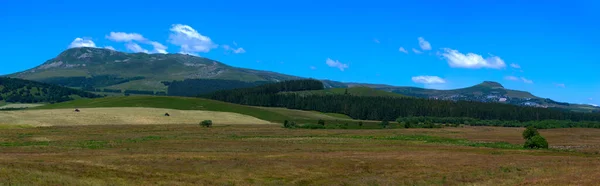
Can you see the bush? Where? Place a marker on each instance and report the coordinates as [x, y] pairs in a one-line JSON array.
[[530, 132], [206, 123], [321, 122], [289, 124], [360, 123], [384, 124], [536, 142]]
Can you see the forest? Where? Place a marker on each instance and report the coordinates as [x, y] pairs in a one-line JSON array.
[[195, 87], [388, 108], [25, 91], [88, 83]]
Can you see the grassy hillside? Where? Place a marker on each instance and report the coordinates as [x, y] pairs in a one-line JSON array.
[[103, 68], [24, 91], [184, 103], [356, 91]]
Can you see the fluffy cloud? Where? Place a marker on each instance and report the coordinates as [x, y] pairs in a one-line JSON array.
[[428, 79], [159, 48], [471, 60], [336, 64], [424, 44], [125, 37], [514, 65], [561, 85], [416, 51], [81, 42], [525, 80], [130, 38], [109, 47], [313, 67], [234, 50], [189, 39], [134, 47], [401, 49]]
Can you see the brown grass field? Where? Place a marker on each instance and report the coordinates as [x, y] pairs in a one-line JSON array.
[[121, 116], [270, 155]]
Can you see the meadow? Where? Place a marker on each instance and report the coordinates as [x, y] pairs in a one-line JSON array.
[[272, 155]]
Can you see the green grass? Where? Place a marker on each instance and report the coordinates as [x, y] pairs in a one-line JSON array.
[[444, 140], [356, 91], [184, 103]]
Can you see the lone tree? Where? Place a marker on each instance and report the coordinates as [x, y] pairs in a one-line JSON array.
[[360, 123], [533, 139], [321, 122], [206, 123]]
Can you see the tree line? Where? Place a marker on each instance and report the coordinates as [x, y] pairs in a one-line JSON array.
[[25, 91], [195, 87], [388, 108]]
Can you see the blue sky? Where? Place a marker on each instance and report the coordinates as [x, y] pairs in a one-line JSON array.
[[553, 43]]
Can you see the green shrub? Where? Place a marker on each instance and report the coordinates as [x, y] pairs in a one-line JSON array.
[[206, 123], [530, 132], [321, 122], [289, 124], [536, 142], [384, 124], [360, 123]]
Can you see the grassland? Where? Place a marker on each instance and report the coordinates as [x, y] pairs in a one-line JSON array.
[[19, 105], [271, 155], [185, 103], [122, 116]]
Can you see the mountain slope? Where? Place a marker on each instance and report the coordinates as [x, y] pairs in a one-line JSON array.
[[24, 91], [136, 71]]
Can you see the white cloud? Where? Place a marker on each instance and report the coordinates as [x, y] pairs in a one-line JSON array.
[[416, 51], [514, 65], [424, 44], [511, 78], [134, 47], [81, 42], [428, 79], [590, 99], [401, 49], [471, 60], [525, 80], [234, 50], [131, 37], [158, 48], [313, 67], [189, 39], [561, 85], [376, 41], [125, 37], [336, 64], [109, 47]]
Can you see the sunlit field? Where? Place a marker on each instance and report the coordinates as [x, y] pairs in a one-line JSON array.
[[271, 155]]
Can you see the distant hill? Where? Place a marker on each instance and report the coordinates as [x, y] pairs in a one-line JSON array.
[[355, 91], [24, 91], [118, 73], [487, 91], [104, 68]]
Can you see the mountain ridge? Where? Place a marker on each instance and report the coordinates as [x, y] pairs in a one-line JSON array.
[[95, 68]]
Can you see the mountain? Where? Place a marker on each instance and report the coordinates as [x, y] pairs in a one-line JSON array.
[[487, 91], [104, 68], [24, 91]]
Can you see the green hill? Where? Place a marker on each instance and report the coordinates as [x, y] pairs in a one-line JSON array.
[[104, 68], [185, 103], [356, 91], [24, 91]]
